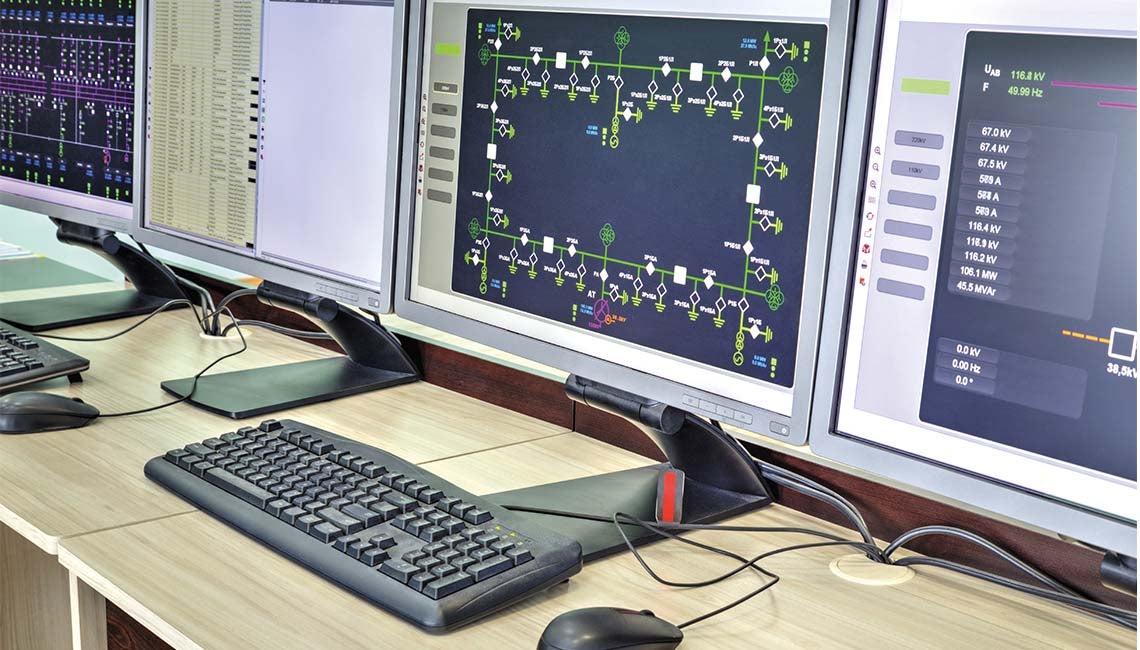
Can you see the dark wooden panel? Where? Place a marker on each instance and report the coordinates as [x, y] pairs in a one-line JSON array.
[[890, 512], [490, 382], [616, 431], [125, 633]]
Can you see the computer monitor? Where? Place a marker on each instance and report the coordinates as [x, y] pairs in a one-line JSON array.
[[979, 336], [271, 140], [637, 193], [67, 104]]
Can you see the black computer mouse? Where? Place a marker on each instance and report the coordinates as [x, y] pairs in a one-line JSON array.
[[609, 628], [29, 412]]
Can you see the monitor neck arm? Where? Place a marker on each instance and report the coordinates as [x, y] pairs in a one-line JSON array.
[[364, 341], [145, 273], [693, 445]]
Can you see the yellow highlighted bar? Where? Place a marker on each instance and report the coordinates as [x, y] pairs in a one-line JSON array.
[[925, 86], [448, 49]]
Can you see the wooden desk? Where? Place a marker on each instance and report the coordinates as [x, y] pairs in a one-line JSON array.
[[199, 584], [58, 484]]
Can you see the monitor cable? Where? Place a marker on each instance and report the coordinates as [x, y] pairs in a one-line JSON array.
[[95, 339]]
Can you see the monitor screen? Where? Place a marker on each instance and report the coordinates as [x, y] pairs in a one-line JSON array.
[[637, 184], [271, 132], [67, 106], [992, 320]]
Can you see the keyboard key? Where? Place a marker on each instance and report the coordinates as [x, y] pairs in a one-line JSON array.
[[429, 563], [189, 459], [467, 547], [270, 425], [390, 477], [305, 522], [404, 503], [420, 580], [463, 562], [481, 554], [289, 515], [399, 570], [423, 512], [238, 487], [451, 540], [341, 520], [372, 470], [402, 521], [449, 585], [341, 543], [214, 443], [452, 525], [433, 549], [416, 525], [313, 507], [357, 548], [373, 556], [432, 534], [462, 508], [477, 516], [277, 505], [519, 555], [444, 570], [325, 532], [489, 568], [485, 539], [339, 502], [367, 501], [430, 495], [447, 503], [414, 488], [382, 541], [412, 557], [501, 546], [385, 510], [402, 484], [435, 516], [448, 555], [365, 515]]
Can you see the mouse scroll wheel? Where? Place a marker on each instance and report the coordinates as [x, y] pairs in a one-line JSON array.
[[76, 399], [647, 612]]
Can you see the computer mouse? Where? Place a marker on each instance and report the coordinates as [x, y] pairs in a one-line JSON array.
[[609, 628], [30, 412]]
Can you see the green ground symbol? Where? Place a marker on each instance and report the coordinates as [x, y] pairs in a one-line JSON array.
[[607, 234], [474, 228], [788, 80], [621, 37], [775, 297], [484, 54]]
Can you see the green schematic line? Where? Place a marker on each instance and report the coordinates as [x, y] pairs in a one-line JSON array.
[[639, 267], [631, 66]]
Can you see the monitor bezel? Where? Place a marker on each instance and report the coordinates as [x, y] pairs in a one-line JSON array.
[[989, 494], [765, 423], [370, 299]]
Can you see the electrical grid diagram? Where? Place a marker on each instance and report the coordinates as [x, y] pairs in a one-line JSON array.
[[67, 94], [647, 178]]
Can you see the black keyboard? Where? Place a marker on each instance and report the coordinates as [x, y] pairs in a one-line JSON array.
[[25, 358], [371, 522]]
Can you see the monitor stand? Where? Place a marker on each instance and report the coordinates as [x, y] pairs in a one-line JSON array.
[[375, 359], [154, 285], [721, 479]]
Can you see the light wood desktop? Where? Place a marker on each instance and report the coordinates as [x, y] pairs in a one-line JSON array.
[[60, 484], [199, 584]]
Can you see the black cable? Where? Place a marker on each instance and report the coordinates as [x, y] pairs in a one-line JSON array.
[[232, 296], [301, 334], [193, 384], [1120, 616], [156, 312]]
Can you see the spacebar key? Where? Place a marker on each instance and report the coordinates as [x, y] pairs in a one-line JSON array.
[[238, 487]]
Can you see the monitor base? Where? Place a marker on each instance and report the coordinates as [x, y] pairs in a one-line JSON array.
[[257, 391], [721, 478], [632, 492], [374, 360], [53, 313], [155, 285]]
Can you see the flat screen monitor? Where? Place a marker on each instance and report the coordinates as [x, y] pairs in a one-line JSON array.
[[271, 139], [67, 107], [638, 193], [980, 338]]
